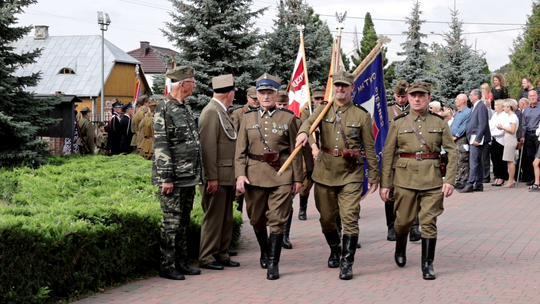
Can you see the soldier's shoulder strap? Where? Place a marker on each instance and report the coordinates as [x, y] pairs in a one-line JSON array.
[[250, 111], [401, 116], [287, 110], [360, 107], [437, 115]]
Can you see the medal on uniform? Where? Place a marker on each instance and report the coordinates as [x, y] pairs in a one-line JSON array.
[[274, 128], [286, 127]]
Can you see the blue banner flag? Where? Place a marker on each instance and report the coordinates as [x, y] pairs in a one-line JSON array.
[[369, 92]]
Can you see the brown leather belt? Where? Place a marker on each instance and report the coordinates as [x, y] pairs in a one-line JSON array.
[[260, 157], [148, 137], [419, 155], [335, 152]]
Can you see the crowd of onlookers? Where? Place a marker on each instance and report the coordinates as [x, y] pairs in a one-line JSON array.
[[512, 152]]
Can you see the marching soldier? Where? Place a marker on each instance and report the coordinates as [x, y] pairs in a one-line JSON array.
[[317, 97], [416, 138], [177, 169], [265, 140], [87, 134], [218, 142], [339, 169]]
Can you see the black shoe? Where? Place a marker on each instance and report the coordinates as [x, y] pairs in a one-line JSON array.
[[302, 215], [334, 242], [459, 186], [171, 274], [347, 257], [466, 189], [428, 255], [286, 230], [262, 239], [184, 269], [415, 234], [401, 249], [231, 252], [274, 254], [229, 263], [213, 266], [480, 189]]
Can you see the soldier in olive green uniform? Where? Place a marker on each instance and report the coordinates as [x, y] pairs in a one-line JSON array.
[[317, 96], [218, 142], [177, 169], [142, 109], [417, 173], [146, 132], [87, 139], [339, 169], [265, 140]]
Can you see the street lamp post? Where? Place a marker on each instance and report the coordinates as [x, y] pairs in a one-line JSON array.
[[103, 21]]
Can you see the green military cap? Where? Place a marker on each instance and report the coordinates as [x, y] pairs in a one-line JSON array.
[[283, 97], [343, 77], [268, 82], [180, 73], [223, 84], [318, 92], [86, 109], [401, 87], [252, 92], [420, 86]]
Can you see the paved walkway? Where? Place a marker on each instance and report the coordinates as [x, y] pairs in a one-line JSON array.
[[487, 252]]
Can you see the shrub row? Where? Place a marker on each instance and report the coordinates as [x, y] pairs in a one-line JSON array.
[[79, 224]]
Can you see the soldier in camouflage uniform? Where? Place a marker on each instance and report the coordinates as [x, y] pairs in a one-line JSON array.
[[177, 169]]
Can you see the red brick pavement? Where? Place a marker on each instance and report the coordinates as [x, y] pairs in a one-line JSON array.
[[487, 252]]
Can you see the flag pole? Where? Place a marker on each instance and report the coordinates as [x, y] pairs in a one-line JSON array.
[[301, 29], [340, 25], [365, 62]]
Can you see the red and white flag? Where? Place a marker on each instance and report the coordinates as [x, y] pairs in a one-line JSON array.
[[298, 88]]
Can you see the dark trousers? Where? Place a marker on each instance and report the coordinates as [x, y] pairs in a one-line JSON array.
[[476, 173], [530, 146], [500, 167], [486, 163]]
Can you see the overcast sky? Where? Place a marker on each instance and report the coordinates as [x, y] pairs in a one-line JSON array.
[[490, 25]]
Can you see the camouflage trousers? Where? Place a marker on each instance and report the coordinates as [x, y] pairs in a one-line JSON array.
[[176, 208], [462, 174]]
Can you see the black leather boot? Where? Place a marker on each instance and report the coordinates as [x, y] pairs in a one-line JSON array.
[[347, 257], [415, 234], [401, 249], [339, 226], [286, 230], [303, 208], [390, 218], [428, 255], [262, 239], [274, 253], [171, 274], [334, 242]]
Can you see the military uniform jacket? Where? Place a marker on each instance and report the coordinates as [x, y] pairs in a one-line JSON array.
[[358, 127], [87, 133], [218, 142], [137, 118], [238, 114], [260, 173], [392, 115], [177, 147], [306, 151], [147, 135], [418, 174]]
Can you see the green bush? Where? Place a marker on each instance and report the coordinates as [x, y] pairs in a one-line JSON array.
[[80, 224]]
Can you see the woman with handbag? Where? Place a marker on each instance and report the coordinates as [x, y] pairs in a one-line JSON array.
[[509, 126]]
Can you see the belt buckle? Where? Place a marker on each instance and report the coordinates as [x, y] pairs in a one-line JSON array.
[[419, 156], [335, 152]]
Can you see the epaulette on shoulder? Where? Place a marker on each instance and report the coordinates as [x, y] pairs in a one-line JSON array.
[[251, 110], [401, 116], [360, 107], [436, 115], [287, 110]]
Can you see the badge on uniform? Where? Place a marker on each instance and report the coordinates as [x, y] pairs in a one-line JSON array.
[[354, 133], [274, 128], [286, 128]]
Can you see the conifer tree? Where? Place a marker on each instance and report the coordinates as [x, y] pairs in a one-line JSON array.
[[216, 37], [457, 68], [526, 54], [21, 114], [280, 48]]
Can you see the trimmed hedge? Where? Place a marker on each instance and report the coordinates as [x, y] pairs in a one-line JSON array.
[[81, 223]]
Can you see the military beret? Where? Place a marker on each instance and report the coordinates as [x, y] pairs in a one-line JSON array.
[[401, 87], [283, 97], [86, 109], [343, 77], [117, 104], [223, 84], [127, 107], [268, 82], [420, 86], [318, 92], [252, 92], [180, 73]]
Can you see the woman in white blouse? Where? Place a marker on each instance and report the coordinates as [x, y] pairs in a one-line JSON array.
[[500, 170], [510, 141]]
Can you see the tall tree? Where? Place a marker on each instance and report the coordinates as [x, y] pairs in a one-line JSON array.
[[413, 67], [367, 43], [216, 37], [280, 48], [526, 54], [457, 68], [21, 114]]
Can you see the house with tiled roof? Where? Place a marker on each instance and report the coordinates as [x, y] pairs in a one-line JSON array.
[[71, 65], [150, 57]]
